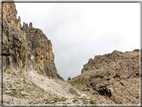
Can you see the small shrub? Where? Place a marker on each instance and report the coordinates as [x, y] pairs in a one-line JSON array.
[[93, 102], [4, 70], [24, 81], [74, 100]]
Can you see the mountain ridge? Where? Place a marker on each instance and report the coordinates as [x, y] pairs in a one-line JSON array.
[[110, 74]]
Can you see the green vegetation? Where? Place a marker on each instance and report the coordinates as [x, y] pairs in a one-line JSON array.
[[47, 102], [121, 95], [84, 100], [53, 101], [62, 99], [78, 81], [14, 93], [8, 71], [4, 70], [92, 102], [97, 71], [14, 74], [75, 100]]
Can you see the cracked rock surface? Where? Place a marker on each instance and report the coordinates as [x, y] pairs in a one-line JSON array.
[[114, 76]]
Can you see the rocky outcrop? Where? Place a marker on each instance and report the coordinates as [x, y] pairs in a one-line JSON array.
[[116, 61], [69, 78], [114, 75], [9, 14], [26, 48]]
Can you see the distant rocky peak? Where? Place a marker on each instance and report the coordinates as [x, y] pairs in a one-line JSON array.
[[10, 13], [107, 60]]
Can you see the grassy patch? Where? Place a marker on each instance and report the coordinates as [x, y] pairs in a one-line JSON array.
[[47, 102], [62, 99], [17, 82], [92, 102], [8, 71], [97, 71], [4, 70], [75, 100], [84, 100], [24, 81], [55, 100], [121, 95], [13, 73], [78, 81], [14, 93]]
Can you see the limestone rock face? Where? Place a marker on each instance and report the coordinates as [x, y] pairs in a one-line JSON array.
[[127, 64], [114, 75], [9, 14], [26, 48], [14, 48]]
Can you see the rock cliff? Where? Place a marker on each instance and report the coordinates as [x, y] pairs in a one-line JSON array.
[[25, 48], [114, 76], [9, 14]]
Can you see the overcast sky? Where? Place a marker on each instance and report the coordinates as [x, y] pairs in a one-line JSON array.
[[79, 31]]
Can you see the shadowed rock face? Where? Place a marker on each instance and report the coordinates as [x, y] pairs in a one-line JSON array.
[[26, 48], [114, 75]]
